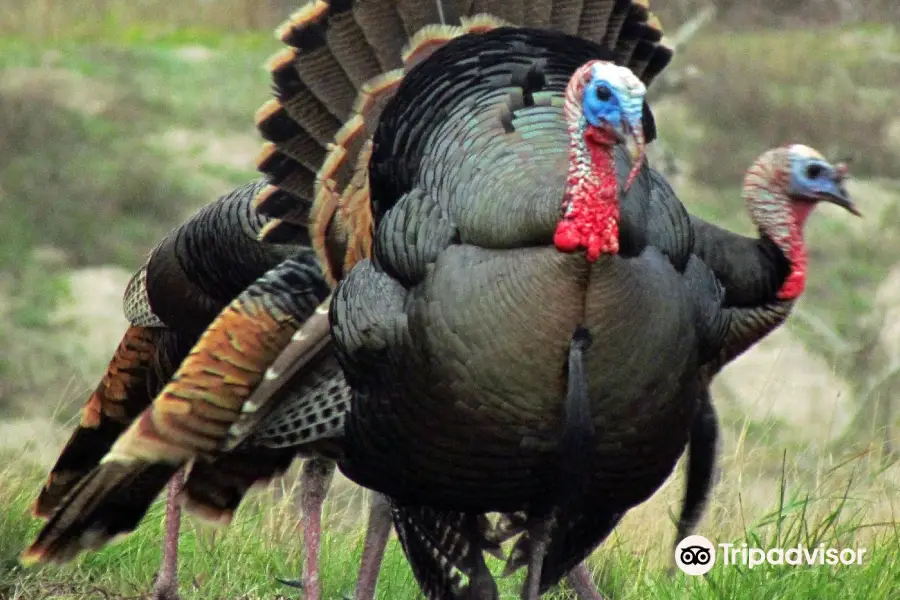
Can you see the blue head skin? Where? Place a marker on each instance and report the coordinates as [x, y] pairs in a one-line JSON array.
[[612, 101], [814, 178]]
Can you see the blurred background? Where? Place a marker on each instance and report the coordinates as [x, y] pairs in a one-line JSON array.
[[119, 118]]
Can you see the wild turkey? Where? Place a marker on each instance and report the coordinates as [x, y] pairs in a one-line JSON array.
[[459, 387], [435, 209], [763, 278], [323, 37], [347, 38]]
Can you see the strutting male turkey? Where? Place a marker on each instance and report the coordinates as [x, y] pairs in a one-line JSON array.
[[367, 46]]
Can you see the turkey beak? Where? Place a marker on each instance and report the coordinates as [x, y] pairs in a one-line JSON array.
[[636, 148], [836, 192]]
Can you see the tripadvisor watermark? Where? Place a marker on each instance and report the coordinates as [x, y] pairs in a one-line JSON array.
[[696, 555]]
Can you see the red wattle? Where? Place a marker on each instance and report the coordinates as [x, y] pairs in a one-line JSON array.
[[795, 282], [591, 209], [566, 238], [793, 285]]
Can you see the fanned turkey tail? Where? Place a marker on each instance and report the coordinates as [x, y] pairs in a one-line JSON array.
[[345, 59], [202, 409]]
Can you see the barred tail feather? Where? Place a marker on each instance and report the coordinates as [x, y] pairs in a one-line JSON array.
[[205, 406], [106, 504], [124, 391]]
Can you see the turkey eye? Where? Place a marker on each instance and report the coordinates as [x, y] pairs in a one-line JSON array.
[[603, 93], [813, 171]]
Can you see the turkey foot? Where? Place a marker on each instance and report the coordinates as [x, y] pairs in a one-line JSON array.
[[314, 481], [539, 534], [377, 532], [582, 583], [166, 585]]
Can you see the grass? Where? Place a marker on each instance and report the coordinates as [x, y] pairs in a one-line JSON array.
[[839, 100], [848, 507], [91, 174]]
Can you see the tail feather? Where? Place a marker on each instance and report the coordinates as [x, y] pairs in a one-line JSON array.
[[416, 14], [508, 10], [537, 13], [286, 173], [634, 29], [566, 15], [620, 12], [298, 99], [308, 419], [276, 125], [346, 59], [383, 29], [647, 48], [594, 17], [213, 490], [123, 392], [107, 503]]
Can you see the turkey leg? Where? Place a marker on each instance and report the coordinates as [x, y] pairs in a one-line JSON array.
[[377, 533], [701, 468], [166, 585], [539, 534], [581, 581], [315, 478]]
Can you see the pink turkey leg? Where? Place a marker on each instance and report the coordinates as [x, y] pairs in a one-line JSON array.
[[315, 479], [581, 581], [166, 585], [377, 533]]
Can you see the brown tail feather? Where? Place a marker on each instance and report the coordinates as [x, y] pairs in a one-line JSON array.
[[194, 411], [194, 414], [123, 392], [537, 13], [620, 12], [566, 15], [213, 490], [309, 343], [595, 16], [330, 84], [108, 502]]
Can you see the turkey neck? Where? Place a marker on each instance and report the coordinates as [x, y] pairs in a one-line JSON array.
[[781, 220], [794, 249]]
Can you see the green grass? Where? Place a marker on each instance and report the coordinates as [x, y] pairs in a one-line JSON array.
[[84, 172], [244, 558]]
